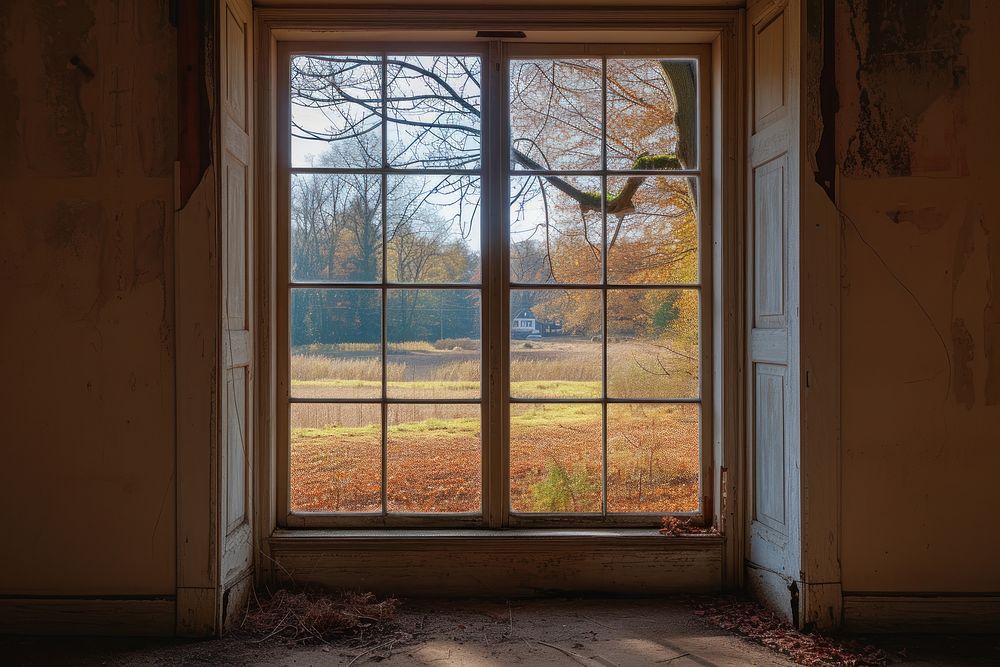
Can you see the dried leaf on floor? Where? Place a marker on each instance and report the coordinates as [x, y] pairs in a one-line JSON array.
[[675, 525], [751, 620]]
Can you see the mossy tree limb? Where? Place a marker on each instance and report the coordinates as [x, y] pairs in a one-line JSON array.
[[619, 203], [681, 79]]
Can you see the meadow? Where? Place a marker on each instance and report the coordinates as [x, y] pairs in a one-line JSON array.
[[433, 451]]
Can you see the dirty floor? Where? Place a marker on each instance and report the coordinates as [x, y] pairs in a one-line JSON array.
[[593, 632]]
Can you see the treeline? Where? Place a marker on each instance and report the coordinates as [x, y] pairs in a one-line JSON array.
[[354, 315], [336, 236]]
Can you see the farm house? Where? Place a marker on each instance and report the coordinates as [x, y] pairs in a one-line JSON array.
[[499, 332], [524, 323]]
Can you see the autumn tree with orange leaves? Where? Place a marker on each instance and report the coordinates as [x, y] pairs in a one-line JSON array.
[[567, 115]]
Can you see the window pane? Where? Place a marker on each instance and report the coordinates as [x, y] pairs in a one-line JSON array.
[[652, 114], [336, 339], [555, 347], [434, 343], [433, 229], [555, 229], [555, 457], [434, 111], [652, 230], [555, 113], [434, 458], [336, 457], [653, 347], [336, 227], [653, 462], [336, 104]]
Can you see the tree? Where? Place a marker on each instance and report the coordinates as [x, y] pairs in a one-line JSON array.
[[336, 234], [430, 106]]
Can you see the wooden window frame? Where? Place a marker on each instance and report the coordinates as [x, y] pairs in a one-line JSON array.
[[288, 518], [721, 31], [702, 54], [495, 289]]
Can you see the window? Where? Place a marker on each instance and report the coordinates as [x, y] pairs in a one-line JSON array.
[[494, 285]]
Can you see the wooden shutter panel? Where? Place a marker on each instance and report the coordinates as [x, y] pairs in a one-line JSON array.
[[236, 372]]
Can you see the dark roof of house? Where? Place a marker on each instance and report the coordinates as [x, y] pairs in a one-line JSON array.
[[524, 314]]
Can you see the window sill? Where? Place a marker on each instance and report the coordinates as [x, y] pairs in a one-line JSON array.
[[521, 562], [330, 537]]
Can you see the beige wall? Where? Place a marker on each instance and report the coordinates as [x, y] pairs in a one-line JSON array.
[[86, 154], [87, 144], [917, 141]]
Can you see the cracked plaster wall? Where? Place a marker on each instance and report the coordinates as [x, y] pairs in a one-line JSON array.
[[87, 144], [917, 135], [87, 131]]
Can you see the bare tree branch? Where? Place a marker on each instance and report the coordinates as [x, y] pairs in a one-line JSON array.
[[679, 76]]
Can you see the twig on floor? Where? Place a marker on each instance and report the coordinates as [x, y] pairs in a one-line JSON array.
[[389, 643], [279, 628], [583, 660], [246, 611]]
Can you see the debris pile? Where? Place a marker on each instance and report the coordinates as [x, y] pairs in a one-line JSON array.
[[754, 622], [674, 525], [316, 616]]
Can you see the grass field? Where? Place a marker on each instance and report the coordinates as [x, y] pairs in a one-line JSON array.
[[434, 450]]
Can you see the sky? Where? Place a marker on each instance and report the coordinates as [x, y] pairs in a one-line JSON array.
[[527, 214]]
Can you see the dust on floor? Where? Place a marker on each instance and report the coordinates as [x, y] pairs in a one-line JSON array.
[[592, 632]]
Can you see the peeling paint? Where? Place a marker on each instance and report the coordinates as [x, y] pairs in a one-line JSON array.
[[920, 181], [820, 93], [88, 120], [906, 60]]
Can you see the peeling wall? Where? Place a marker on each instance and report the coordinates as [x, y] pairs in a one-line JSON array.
[[907, 63], [87, 144], [87, 129], [917, 136]]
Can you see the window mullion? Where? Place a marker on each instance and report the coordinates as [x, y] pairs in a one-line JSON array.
[[495, 497], [384, 198], [604, 286]]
